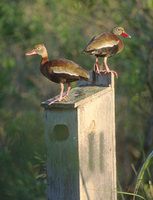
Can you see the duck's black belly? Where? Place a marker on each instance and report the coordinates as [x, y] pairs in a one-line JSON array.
[[63, 78], [105, 52]]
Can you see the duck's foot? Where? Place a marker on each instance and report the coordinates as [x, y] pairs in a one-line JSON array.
[[51, 101], [98, 71], [57, 99], [66, 96], [109, 71], [97, 68]]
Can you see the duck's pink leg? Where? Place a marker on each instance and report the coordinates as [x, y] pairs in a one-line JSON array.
[[60, 96], [97, 67], [68, 90], [107, 70]]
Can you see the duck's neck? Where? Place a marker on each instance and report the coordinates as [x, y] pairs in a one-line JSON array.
[[44, 59]]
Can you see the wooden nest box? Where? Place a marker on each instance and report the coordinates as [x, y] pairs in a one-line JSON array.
[[80, 138]]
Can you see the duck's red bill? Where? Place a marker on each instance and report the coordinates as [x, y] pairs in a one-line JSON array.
[[31, 52], [125, 35]]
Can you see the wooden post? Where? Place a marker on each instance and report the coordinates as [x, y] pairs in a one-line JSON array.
[[80, 138]]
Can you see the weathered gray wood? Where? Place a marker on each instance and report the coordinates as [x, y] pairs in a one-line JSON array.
[[104, 80], [80, 138]]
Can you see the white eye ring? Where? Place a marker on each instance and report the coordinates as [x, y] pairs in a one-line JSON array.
[[38, 48]]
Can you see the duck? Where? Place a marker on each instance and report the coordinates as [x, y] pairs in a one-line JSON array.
[[59, 71], [106, 45]]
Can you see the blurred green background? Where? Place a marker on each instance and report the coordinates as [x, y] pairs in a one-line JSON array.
[[65, 27]]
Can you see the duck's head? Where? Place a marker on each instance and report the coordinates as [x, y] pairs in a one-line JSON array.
[[120, 31], [39, 49]]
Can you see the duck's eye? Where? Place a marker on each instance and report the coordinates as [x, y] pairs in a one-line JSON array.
[[38, 48]]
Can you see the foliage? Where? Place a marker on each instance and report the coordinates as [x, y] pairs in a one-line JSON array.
[[131, 194], [140, 176], [17, 152], [146, 188]]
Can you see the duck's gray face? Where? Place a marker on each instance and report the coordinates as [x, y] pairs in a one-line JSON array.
[[120, 31], [39, 49]]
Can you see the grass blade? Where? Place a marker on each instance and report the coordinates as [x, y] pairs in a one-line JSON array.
[[120, 187], [131, 194], [141, 173]]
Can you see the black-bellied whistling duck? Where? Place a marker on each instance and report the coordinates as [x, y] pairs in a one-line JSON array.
[[106, 45], [59, 70]]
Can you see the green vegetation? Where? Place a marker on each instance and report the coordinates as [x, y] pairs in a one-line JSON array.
[[146, 188], [139, 182], [65, 27]]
